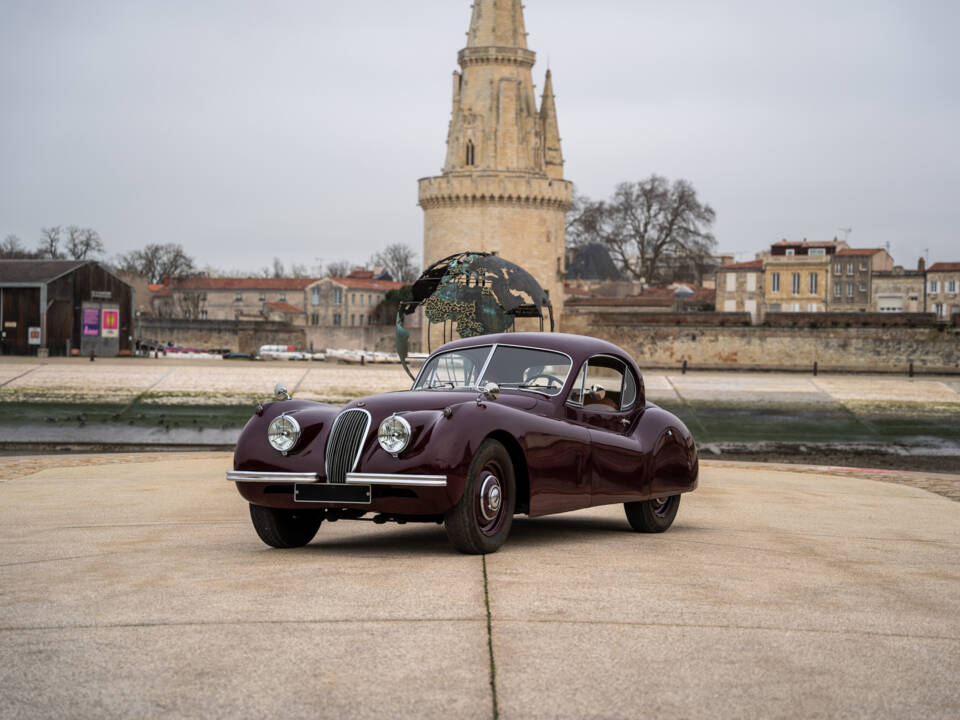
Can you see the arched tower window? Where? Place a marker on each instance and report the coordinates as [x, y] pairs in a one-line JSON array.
[[471, 154]]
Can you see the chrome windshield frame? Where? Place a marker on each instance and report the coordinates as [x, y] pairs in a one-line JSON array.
[[483, 371]]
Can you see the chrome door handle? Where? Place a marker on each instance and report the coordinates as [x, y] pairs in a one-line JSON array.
[[625, 422]]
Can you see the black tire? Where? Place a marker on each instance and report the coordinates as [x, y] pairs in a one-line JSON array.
[[652, 516], [473, 525], [285, 528]]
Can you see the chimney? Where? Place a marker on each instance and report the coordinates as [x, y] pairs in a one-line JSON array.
[[921, 265]]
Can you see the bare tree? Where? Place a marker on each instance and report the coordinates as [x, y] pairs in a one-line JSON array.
[[279, 270], [73, 239], [91, 242], [50, 244], [12, 249], [340, 268], [188, 304], [585, 221], [400, 261], [83, 243], [299, 270], [653, 228], [159, 262]]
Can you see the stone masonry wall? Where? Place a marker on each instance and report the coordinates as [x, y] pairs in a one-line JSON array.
[[932, 348], [238, 336], [248, 336]]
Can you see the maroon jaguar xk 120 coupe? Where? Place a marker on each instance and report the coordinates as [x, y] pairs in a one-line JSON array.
[[533, 423]]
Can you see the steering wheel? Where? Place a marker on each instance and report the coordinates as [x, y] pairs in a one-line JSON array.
[[552, 380], [596, 392]]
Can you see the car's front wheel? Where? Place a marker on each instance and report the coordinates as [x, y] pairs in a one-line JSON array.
[[481, 521], [652, 516], [285, 528]]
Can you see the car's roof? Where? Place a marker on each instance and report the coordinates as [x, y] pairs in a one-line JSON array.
[[577, 346]]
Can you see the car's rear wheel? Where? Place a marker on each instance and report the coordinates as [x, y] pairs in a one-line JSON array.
[[652, 516], [285, 528], [481, 521]]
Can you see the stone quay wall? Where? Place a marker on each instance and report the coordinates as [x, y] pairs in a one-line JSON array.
[[248, 336], [243, 336], [666, 340]]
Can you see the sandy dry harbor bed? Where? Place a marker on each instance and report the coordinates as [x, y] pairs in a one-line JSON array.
[[186, 382]]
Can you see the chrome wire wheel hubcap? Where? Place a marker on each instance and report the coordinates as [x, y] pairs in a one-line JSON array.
[[659, 506]]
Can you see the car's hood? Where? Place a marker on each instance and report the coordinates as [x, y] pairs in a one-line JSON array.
[[413, 400]]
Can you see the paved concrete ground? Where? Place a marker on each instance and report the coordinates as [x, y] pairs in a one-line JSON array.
[[139, 589]]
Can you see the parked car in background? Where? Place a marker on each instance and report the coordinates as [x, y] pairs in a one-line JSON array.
[[533, 423]]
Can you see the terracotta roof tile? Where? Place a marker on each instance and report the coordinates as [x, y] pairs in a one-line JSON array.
[[634, 301], [214, 284], [749, 265], [284, 308], [354, 283], [944, 267], [860, 251]]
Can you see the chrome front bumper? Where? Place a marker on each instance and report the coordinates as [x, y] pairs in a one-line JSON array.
[[246, 476]]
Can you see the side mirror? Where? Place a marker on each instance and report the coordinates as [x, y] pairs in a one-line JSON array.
[[280, 391], [490, 391]]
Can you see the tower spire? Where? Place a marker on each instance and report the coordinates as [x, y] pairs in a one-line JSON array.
[[497, 23], [502, 188], [552, 152]]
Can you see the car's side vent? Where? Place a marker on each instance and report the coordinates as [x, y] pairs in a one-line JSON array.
[[345, 443]]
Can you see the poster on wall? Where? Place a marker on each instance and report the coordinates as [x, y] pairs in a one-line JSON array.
[[111, 323], [33, 336], [91, 322]]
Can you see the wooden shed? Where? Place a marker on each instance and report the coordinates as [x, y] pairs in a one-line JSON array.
[[58, 306]]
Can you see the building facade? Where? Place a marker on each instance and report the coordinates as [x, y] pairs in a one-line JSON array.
[[852, 276], [325, 312], [348, 302], [203, 298], [64, 307], [943, 289], [900, 290], [796, 275], [740, 288], [502, 188]]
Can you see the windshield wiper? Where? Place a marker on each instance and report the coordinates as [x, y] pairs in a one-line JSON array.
[[442, 383]]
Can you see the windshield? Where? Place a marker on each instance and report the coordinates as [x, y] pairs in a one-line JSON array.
[[457, 369], [510, 367]]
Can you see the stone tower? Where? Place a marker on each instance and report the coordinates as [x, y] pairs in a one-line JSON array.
[[502, 188]]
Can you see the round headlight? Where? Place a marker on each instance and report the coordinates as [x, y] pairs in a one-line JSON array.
[[394, 434], [283, 433]]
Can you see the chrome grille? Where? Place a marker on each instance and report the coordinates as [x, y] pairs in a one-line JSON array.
[[345, 444]]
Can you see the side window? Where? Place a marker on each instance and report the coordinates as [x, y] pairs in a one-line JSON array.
[[604, 385], [576, 392], [629, 391]]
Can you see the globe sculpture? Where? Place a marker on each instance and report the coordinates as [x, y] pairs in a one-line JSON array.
[[470, 294]]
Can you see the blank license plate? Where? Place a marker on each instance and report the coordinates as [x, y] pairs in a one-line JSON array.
[[332, 492]]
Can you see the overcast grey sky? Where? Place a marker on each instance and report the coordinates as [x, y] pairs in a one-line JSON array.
[[298, 128]]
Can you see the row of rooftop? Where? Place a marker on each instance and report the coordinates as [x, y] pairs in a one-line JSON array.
[[832, 276], [46, 303]]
